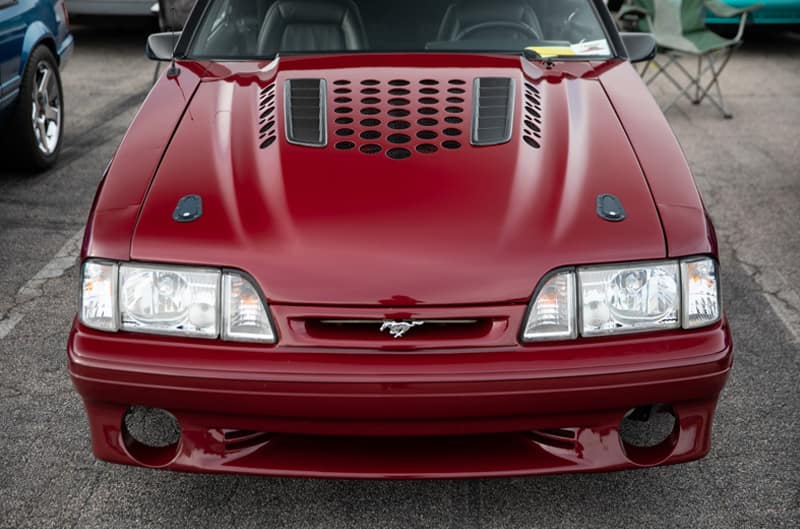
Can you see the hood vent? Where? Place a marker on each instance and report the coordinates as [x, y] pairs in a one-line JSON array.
[[305, 112], [493, 116], [532, 131], [399, 118], [266, 116]]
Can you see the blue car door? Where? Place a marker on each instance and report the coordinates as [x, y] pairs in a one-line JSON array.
[[12, 34]]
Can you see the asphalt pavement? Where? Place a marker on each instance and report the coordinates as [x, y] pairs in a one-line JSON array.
[[749, 171]]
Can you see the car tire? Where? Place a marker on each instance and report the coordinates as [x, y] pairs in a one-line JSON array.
[[34, 134]]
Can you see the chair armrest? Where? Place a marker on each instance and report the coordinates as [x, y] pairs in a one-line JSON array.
[[633, 11], [723, 10]]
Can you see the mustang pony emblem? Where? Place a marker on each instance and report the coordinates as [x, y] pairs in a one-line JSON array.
[[398, 329]]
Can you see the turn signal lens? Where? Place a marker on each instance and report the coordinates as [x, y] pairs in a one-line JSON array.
[[98, 295], [244, 313], [700, 293], [552, 314]]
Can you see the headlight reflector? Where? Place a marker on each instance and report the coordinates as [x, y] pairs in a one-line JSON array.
[[244, 313], [629, 298], [164, 300], [700, 293]]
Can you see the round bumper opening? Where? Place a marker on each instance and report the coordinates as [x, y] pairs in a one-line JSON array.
[[649, 434], [151, 436]]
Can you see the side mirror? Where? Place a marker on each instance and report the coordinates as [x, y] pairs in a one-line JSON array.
[[640, 46], [161, 46]]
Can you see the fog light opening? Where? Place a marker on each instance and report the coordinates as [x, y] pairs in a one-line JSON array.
[[151, 436], [649, 434]]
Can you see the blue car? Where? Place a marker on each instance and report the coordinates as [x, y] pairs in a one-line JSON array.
[[35, 43]]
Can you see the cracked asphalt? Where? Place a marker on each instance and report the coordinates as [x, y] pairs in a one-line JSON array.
[[749, 172]]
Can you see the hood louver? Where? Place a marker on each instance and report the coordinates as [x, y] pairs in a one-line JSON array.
[[493, 116], [305, 112]]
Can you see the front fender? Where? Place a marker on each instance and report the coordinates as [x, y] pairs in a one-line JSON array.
[[36, 34]]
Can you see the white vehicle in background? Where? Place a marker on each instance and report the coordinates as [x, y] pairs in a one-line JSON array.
[[111, 7]]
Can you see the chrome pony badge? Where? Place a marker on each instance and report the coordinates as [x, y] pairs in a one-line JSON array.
[[398, 329]]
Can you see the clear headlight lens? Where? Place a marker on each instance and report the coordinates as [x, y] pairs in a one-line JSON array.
[[629, 299], [244, 313], [552, 314], [169, 301], [626, 298], [700, 293], [98, 296], [173, 300]]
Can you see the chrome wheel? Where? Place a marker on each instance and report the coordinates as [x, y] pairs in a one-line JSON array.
[[46, 108]]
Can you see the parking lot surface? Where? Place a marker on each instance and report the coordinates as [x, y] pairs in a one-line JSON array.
[[749, 171]]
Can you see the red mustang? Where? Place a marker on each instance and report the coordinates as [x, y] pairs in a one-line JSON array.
[[430, 238]]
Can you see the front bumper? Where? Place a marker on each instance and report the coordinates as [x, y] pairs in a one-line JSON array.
[[391, 414]]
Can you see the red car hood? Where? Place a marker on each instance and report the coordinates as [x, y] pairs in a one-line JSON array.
[[333, 225]]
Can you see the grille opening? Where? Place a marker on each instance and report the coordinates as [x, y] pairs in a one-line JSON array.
[[429, 91], [427, 122], [344, 121], [343, 110], [345, 145], [453, 120], [428, 111], [342, 91], [370, 101], [427, 135], [429, 82], [399, 113], [428, 101], [457, 91], [371, 148], [556, 438], [399, 102], [370, 82], [452, 132], [457, 100], [345, 132], [399, 125], [451, 144], [398, 154], [234, 440], [341, 82], [370, 111], [370, 330], [370, 122], [370, 91], [266, 117], [399, 82], [458, 82], [532, 142], [399, 92], [343, 100], [370, 135]]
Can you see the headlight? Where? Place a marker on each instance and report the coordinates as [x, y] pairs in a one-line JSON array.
[[629, 299], [625, 298], [160, 300], [173, 300]]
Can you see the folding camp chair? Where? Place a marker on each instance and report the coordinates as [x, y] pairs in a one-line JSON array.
[[172, 15], [680, 30]]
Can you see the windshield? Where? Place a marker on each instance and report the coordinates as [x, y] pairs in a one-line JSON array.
[[262, 29]]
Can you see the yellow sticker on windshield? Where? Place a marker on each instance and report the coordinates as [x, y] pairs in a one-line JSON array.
[[552, 51]]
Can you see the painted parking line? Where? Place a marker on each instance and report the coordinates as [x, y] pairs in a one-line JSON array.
[[33, 288]]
